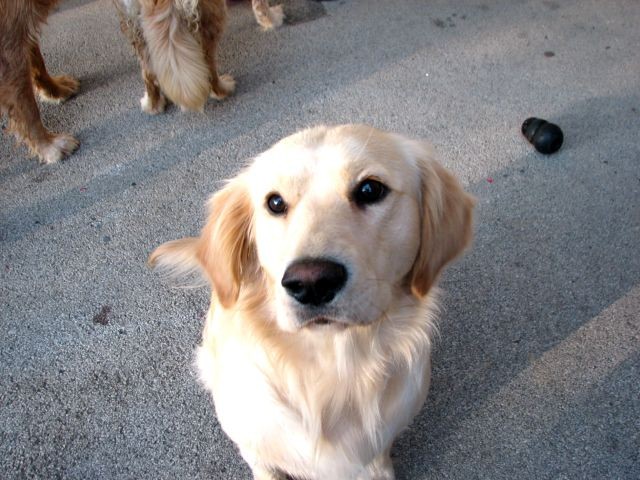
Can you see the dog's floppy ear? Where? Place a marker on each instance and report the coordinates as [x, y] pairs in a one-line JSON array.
[[224, 250], [447, 220]]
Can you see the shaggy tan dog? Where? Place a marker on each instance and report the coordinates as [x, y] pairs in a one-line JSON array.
[[176, 43]]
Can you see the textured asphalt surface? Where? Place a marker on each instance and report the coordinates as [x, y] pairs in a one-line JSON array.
[[537, 367]]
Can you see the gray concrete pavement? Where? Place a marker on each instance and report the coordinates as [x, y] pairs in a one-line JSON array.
[[536, 371]]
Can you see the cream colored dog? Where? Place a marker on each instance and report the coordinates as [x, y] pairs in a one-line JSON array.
[[322, 256]]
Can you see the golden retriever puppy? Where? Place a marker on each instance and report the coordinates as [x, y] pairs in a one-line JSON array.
[[176, 42], [322, 257], [22, 71]]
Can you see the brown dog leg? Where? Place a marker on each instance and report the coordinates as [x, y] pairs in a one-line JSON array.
[[51, 89], [153, 101], [17, 98], [212, 21], [267, 17]]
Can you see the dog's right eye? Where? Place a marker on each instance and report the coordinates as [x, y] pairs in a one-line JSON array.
[[276, 204], [368, 192]]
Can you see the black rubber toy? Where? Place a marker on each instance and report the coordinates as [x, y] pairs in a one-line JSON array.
[[546, 137]]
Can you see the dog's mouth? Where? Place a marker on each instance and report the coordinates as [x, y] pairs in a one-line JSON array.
[[319, 322], [324, 322]]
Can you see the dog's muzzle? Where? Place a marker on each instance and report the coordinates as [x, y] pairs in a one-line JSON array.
[[314, 282]]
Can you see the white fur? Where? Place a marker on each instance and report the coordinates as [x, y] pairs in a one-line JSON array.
[[334, 412], [61, 145], [131, 7], [145, 104]]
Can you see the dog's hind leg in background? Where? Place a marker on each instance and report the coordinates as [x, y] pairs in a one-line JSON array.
[[267, 17], [50, 89], [212, 23], [153, 101]]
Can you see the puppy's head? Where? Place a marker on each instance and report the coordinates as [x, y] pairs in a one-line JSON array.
[[335, 223]]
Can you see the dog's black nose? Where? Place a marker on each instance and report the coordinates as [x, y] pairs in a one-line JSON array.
[[314, 282]]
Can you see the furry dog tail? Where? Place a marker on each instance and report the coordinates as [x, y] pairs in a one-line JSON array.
[[176, 55]]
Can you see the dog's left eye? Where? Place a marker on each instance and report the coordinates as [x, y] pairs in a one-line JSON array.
[[276, 204], [369, 191]]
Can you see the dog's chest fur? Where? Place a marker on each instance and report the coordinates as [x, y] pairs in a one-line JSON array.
[[316, 403]]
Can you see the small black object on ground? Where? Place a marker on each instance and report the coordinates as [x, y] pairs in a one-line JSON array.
[[546, 137]]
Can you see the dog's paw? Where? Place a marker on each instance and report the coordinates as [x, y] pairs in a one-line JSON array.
[[67, 86], [273, 20], [61, 88], [152, 107], [225, 87], [60, 146]]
